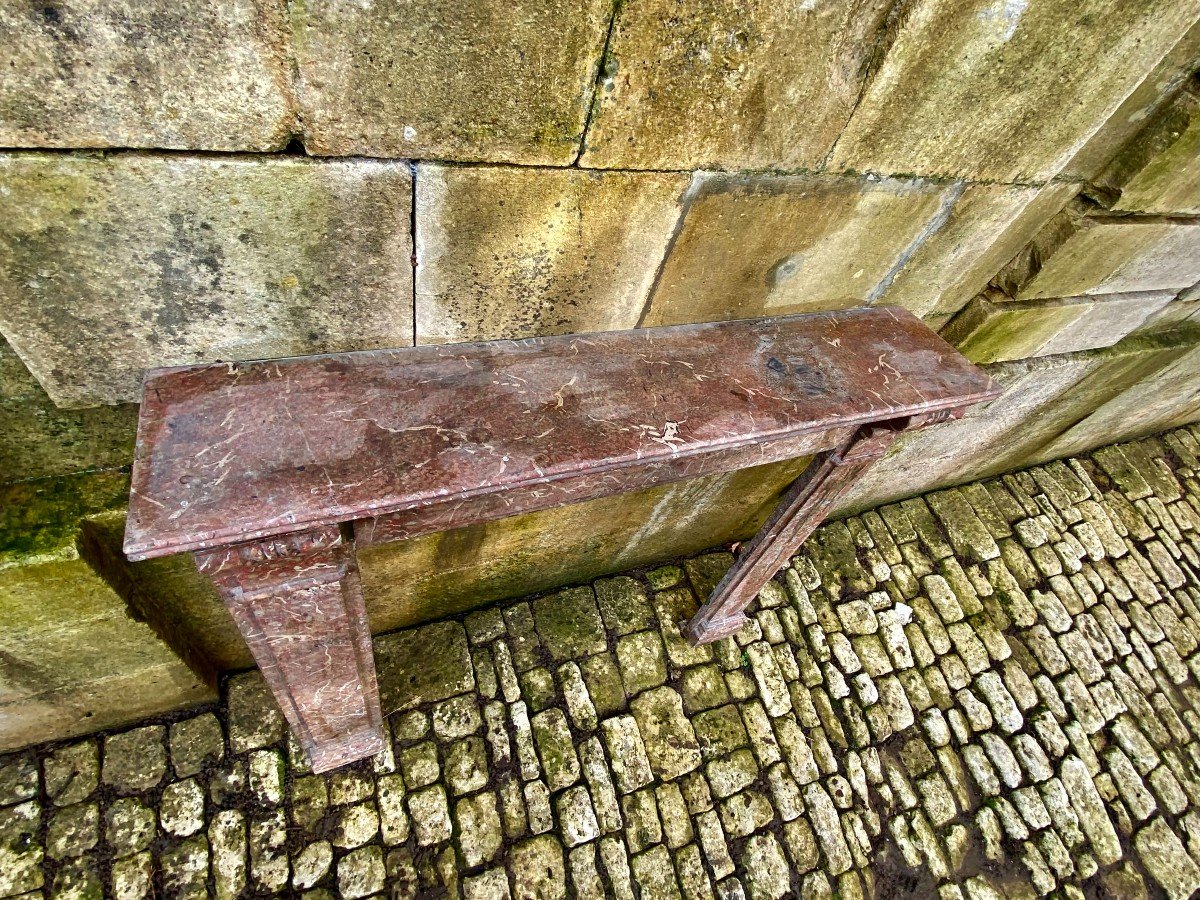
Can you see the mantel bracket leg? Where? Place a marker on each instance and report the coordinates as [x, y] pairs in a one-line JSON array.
[[298, 602], [806, 503]]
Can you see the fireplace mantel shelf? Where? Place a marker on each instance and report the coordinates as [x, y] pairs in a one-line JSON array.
[[272, 472]]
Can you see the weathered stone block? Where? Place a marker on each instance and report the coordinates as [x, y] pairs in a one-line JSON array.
[[423, 664], [982, 230], [1141, 106], [1079, 253], [1164, 399], [1159, 172], [146, 73], [480, 80], [512, 253], [38, 439], [164, 260], [720, 84], [990, 330], [791, 244], [438, 575], [72, 656], [1043, 398], [1181, 313], [1075, 62]]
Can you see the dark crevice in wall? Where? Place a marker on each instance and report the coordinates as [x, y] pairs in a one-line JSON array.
[[291, 150], [593, 97]]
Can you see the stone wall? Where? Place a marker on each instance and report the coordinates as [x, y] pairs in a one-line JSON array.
[[989, 691], [245, 179]]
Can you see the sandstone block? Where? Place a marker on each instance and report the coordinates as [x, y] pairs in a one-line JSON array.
[[1165, 398], [1043, 398], [1075, 62], [985, 227], [441, 574], [512, 253], [171, 260], [480, 80], [146, 73], [1082, 253], [37, 439], [720, 84], [791, 244], [74, 658], [991, 330], [1159, 172], [1145, 102], [1181, 313]]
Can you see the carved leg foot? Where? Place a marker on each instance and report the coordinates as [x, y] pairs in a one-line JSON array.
[[298, 602], [801, 510]]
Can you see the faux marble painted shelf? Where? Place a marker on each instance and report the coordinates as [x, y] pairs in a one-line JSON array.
[[272, 471]]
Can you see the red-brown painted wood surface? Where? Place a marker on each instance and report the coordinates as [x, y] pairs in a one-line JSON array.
[[298, 602], [239, 451]]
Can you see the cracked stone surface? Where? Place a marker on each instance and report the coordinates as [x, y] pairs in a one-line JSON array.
[[990, 692]]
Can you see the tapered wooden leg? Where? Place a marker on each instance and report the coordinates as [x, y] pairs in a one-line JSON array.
[[802, 509], [298, 602]]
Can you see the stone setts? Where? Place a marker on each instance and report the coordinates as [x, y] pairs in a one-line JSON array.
[[989, 691]]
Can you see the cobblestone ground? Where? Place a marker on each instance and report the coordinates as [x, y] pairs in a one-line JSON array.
[[988, 692]]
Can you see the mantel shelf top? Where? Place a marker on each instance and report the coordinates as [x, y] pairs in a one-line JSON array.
[[239, 451]]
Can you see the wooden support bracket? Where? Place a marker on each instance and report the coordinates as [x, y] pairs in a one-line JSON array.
[[298, 602]]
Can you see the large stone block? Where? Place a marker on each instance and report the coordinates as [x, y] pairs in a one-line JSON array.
[[110, 265], [1003, 90], [1042, 399], [438, 575], [1080, 253], [145, 73], [721, 84], [1165, 399], [445, 79], [73, 656], [1159, 172], [1141, 106], [985, 228], [992, 329], [751, 246], [1182, 312], [38, 439], [517, 252]]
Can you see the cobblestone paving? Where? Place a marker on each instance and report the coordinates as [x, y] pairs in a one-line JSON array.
[[989, 692]]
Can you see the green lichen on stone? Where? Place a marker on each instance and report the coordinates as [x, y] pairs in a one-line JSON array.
[[39, 520], [1159, 172], [569, 623], [37, 439], [423, 664]]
